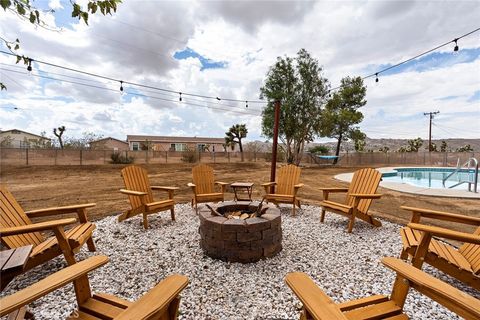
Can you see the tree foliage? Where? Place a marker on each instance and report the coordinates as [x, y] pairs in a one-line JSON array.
[[25, 10], [443, 146], [301, 89], [59, 134], [465, 148], [320, 149], [341, 114], [234, 135]]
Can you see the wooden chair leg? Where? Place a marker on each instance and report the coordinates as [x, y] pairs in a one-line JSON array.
[[91, 245], [196, 207], [293, 209], [350, 224], [322, 216], [145, 221], [404, 255], [172, 213]]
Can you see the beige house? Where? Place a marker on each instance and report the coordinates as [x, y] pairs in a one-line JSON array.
[[109, 143], [164, 143], [15, 138]]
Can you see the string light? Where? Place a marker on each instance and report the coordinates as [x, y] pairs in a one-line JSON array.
[[455, 49], [180, 97], [246, 104], [121, 87], [29, 68], [218, 98]]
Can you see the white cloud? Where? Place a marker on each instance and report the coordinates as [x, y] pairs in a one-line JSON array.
[[137, 44]]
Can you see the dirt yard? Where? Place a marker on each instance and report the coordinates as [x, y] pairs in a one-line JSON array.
[[46, 186]]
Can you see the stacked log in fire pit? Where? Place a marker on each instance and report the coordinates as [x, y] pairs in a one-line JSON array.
[[240, 231]]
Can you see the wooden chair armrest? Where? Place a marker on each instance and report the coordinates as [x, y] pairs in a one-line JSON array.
[[459, 302], [417, 213], [314, 300], [192, 185], [298, 186], [54, 281], [446, 233], [221, 183], [40, 226], [133, 193], [334, 189], [59, 210], [156, 299], [366, 196], [268, 184], [164, 188]]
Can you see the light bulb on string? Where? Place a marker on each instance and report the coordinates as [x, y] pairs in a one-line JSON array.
[[376, 77], [246, 104], [455, 49], [218, 99], [180, 97], [121, 88], [29, 68]]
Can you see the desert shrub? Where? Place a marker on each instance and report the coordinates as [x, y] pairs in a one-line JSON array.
[[190, 156], [319, 150], [119, 158]]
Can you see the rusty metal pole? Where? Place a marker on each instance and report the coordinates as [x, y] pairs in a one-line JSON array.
[[275, 142]]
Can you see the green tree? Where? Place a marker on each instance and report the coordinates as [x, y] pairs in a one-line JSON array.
[[6, 142], [414, 144], [319, 150], [299, 86], [28, 12], [234, 136], [59, 134], [341, 114], [443, 146], [384, 149]]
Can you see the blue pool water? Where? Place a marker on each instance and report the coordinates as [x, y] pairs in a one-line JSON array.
[[429, 177]]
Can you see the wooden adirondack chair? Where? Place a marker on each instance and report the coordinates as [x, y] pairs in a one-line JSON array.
[[17, 230], [359, 197], [317, 305], [287, 186], [140, 195], [203, 186], [161, 302], [462, 263]]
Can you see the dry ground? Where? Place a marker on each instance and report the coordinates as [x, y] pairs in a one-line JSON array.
[[45, 186]]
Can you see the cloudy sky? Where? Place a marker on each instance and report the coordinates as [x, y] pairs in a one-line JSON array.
[[224, 49]]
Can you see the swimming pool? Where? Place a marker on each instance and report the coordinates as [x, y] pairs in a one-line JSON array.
[[429, 177]]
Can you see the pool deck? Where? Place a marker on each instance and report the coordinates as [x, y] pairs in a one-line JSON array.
[[407, 188]]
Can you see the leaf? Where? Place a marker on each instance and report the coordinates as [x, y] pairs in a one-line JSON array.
[[37, 14], [32, 17], [18, 59], [16, 47], [84, 16], [2, 86], [76, 10], [5, 4], [21, 9]]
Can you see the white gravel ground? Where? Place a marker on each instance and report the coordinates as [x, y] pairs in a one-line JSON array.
[[345, 266]]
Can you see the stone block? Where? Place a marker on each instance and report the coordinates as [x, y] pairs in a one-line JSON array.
[[234, 245], [257, 224], [249, 236], [234, 225]]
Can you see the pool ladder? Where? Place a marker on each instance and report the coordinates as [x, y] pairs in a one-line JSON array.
[[472, 167]]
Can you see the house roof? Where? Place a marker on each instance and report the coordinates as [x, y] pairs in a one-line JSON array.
[[170, 139], [36, 135], [109, 138]]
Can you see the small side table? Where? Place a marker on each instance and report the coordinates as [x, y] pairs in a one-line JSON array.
[[242, 191], [12, 263]]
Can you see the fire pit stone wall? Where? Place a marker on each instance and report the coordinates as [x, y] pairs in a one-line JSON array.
[[237, 240]]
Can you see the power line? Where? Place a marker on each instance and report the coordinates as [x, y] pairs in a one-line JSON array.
[[133, 83], [133, 93], [377, 73]]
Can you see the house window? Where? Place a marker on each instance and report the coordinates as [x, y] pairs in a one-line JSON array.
[[178, 147], [201, 147], [24, 144], [135, 146]]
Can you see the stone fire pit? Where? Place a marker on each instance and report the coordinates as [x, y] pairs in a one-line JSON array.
[[241, 240]]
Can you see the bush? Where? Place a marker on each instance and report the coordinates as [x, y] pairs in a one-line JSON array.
[[319, 150], [190, 156], [119, 158]]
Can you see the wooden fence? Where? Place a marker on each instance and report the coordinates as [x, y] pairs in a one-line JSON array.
[[12, 156]]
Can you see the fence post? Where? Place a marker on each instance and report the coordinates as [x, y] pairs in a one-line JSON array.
[[166, 156], [105, 156], [56, 155], [81, 157], [26, 155], [228, 156], [146, 156], [214, 159]]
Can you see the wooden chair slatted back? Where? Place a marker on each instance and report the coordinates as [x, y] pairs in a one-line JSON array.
[[12, 215], [471, 252], [288, 177], [365, 181], [203, 178], [136, 179]]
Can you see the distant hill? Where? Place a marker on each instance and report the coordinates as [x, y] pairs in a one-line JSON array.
[[395, 144]]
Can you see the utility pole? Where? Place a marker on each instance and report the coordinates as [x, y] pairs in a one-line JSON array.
[[431, 114]]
